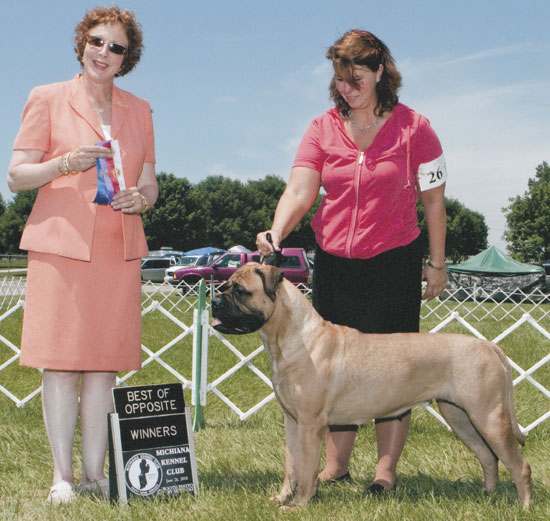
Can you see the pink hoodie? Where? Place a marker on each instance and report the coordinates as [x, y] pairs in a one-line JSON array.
[[370, 201]]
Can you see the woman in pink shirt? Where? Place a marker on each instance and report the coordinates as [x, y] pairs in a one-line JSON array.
[[374, 157], [82, 320]]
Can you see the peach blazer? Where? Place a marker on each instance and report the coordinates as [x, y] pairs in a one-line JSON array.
[[59, 118]]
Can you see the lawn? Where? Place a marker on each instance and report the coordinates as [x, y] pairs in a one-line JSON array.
[[240, 463]]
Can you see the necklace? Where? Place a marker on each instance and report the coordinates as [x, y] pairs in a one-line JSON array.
[[356, 125], [100, 110], [97, 107]]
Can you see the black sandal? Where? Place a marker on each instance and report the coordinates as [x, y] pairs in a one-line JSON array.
[[343, 477], [377, 489]]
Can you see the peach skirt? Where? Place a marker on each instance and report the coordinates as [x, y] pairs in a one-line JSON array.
[[84, 316]]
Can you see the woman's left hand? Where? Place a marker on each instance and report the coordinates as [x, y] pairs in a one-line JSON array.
[[436, 279], [129, 201]]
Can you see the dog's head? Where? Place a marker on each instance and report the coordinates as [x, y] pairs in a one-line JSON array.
[[248, 300]]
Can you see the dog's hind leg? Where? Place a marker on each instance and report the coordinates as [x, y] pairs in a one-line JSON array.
[[459, 421], [497, 429]]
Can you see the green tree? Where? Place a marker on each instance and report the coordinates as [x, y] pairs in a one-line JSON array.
[[220, 211], [528, 219], [466, 230], [231, 212], [3, 206], [266, 194], [168, 222], [13, 220]]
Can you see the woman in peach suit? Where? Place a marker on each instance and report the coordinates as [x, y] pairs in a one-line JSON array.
[[82, 320]]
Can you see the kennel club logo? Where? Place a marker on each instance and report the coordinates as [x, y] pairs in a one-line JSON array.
[[143, 474]]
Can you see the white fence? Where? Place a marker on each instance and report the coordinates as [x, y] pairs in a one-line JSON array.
[[174, 330]]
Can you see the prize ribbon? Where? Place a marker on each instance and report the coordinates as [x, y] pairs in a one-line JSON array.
[[110, 179]]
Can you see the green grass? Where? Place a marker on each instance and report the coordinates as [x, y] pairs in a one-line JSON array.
[[12, 262], [241, 463]]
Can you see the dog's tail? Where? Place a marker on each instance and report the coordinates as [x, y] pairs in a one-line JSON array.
[[510, 392]]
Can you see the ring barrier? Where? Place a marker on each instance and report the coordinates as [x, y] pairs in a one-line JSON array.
[[186, 331]]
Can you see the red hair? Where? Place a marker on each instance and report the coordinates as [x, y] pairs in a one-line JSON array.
[[362, 48], [111, 15]]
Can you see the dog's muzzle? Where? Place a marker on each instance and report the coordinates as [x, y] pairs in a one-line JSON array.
[[230, 323]]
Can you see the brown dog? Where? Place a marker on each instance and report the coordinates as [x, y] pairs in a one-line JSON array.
[[324, 374]]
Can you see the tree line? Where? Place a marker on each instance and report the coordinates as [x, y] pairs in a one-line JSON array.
[[224, 212]]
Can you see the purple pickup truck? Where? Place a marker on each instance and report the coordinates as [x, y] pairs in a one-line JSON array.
[[295, 267]]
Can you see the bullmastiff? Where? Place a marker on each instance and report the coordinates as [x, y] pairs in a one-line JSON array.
[[324, 374]]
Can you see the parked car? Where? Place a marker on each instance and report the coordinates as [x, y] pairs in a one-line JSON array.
[[190, 260], [154, 268], [295, 267]]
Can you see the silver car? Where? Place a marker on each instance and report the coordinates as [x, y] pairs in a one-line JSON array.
[[154, 268]]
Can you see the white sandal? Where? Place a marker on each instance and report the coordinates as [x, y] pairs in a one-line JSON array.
[[61, 492]]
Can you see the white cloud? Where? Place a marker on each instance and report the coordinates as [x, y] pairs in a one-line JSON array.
[[310, 82], [410, 67], [490, 111], [493, 139]]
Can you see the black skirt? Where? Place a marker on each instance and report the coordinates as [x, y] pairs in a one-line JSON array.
[[377, 295]]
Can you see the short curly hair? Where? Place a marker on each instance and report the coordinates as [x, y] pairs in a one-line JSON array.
[[358, 47], [111, 15]]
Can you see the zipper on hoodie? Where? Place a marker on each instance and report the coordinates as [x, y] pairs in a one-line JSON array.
[[356, 181]]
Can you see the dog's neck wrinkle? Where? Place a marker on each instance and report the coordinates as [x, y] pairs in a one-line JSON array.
[[302, 324], [284, 311]]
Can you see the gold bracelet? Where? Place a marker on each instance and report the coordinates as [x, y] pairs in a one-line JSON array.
[[438, 268], [67, 169], [144, 203], [63, 165], [60, 166]]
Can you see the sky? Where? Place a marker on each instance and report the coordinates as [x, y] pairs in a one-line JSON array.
[[234, 85]]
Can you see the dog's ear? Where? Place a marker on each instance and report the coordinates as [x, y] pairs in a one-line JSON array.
[[271, 278]]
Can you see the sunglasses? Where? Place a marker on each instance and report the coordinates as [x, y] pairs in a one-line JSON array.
[[98, 43]]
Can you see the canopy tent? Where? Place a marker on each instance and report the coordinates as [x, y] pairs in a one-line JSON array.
[[496, 273], [239, 249]]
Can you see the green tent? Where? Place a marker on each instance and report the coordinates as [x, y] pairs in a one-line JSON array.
[[496, 275], [494, 261]]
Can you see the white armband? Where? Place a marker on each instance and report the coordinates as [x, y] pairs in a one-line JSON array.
[[432, 174]]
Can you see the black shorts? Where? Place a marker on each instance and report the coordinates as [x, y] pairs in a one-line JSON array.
[[377, 295]]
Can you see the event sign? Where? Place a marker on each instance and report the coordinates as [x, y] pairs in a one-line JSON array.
[[151, 450]]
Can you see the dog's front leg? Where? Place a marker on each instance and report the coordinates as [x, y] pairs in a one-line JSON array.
[[309, 446], [289, 482]]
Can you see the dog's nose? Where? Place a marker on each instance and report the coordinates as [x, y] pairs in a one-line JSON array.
[[217, 302]]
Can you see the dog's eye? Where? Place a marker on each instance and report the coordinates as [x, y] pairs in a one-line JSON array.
[[241, 292]]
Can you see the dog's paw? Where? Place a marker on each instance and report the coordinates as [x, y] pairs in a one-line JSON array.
[[280, 498], [290, 507], [295, 504]]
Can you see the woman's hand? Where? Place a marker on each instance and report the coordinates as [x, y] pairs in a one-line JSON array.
[[130, 201], [84, 157], [264, 247], [436, 279]]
